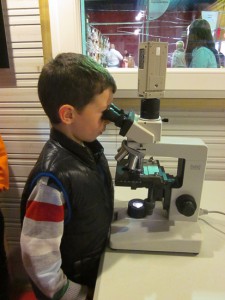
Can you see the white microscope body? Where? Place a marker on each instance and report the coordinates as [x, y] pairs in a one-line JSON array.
[[167, 220]]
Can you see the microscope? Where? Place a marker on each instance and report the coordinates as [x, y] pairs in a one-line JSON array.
[[167, 219]]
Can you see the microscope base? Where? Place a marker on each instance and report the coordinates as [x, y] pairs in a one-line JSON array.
[[155, 233]]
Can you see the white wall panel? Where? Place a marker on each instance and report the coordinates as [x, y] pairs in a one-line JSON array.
[[23, 12], [20, 171], [27, 83], [21, 122], [26, 45], [26, 20], [28, 65], [21, 4], [25, 33], [21, 95], [36, 52]]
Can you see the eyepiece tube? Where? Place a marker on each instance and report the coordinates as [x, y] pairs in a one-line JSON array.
[[119, 118], [115, 115]]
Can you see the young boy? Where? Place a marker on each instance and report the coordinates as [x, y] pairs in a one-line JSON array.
[[67, 203]]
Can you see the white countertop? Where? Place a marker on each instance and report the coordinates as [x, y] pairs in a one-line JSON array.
[[162, 276]]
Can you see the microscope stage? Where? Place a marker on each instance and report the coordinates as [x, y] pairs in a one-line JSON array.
[[155, 233]]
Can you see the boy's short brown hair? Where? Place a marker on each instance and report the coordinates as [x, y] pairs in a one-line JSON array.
[[73, 79]]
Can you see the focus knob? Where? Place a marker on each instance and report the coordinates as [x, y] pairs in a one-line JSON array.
[[186, 205]]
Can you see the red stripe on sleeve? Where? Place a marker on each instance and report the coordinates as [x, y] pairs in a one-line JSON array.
[[40, 211]]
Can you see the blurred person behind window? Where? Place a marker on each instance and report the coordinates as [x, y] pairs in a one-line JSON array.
[[222, 59], [200, 50], [178, 57], [113, 57]]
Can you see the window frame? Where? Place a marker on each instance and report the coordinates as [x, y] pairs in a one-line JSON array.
[[180, 83]]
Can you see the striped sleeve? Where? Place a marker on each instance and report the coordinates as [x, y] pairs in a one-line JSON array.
[[40, 243]]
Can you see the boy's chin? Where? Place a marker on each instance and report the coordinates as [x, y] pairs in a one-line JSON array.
[[90, 140]]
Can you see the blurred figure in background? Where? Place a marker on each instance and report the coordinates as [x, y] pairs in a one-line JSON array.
[[178, 58], [222, 60], [125, 59], [200, 50], [113, 57], [125, 53]]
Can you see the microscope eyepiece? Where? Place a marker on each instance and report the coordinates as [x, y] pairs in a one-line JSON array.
[[119, 118], [114, 114]]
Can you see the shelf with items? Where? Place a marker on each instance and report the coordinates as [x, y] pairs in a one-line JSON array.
[[97, 45]]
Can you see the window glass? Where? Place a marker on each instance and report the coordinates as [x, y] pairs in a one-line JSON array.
[[122, 24]]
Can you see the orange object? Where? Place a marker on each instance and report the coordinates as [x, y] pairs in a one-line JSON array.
[[29, 295], [4, 170]]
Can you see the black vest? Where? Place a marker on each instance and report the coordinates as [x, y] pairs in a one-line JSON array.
[[85, 176]]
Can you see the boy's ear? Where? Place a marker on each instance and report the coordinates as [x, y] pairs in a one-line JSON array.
[[66, 113]]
